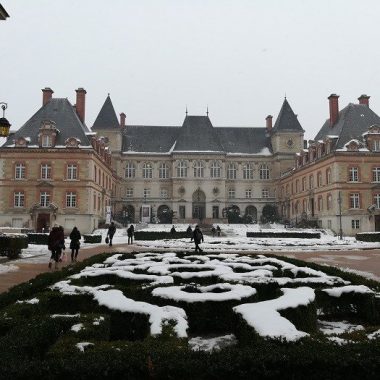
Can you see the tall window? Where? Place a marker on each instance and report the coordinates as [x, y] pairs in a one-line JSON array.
[[45, 171], [46, 141], [329, 201], [71, 199], [304, 184], [147, 170], [20, 171], [129, 192], [198, 169], [215, 169], [320, 203], [231, 171], [376, 145], [376, 174], [376, 200], [328, 176], [44, 199], [353, 174], [264, 172], [247, 171], [297, 185], [248, 193], [231, 193], [354, 200], [130, 170], [19, 199], [319, 179], [182, 169], [72, 171], [311, 182], [265, 193], [146, 193], [163, 171]]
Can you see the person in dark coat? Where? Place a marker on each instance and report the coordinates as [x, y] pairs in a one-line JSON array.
[[75, 236], [189, 231], [130, 233], [56, 242], [111, 232], [213, 231], [173, 231], [218, 230], [197, 237]]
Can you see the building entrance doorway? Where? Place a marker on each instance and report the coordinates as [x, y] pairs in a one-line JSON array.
[[377, 222], [199, 205], [43, 222]]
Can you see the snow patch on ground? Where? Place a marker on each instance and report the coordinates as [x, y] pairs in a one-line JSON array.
[[212, 344]]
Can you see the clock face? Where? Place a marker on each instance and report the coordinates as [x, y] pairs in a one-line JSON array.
[[290, 143]]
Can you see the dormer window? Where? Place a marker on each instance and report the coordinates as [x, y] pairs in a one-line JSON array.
[[353, 146], [376, 145], [72, 142], [22, 142], [48, 134]]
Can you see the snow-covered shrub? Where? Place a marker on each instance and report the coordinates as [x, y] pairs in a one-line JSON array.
[[12, 244], [91, 239]]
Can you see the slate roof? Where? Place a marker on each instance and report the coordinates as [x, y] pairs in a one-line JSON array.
[[287, 119], [66, 119], [353, 121], [106, 118], [196, 135]]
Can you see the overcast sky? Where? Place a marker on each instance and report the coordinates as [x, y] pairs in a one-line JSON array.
[[154, 57]]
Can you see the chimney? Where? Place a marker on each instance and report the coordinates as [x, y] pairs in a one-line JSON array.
[[81, 103], [47, 94], [269, 122], [364, 99], [122, 120], [334, 109]]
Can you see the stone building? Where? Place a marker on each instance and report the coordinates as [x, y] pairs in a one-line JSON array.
[[55, 170], [336, 180], [197, 172]]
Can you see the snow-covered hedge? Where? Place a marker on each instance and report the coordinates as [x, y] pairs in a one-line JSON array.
[[12, 244], [160, 235], [92, 239], [368, 236], [38, 238], [284, 234]]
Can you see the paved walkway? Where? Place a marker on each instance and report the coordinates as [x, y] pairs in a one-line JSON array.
[[359, 260]]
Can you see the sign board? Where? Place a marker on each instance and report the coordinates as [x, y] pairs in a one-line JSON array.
[[145, 213]]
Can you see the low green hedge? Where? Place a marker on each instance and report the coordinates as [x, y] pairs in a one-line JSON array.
[[92, 239], [38, 238], [12, 244], [285, 234], [370, 237], [160, 235]]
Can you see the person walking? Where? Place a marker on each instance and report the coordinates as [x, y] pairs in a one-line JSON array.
[[173, 231], [56, 242], [197, 237], [213, 231], [75, 236], [218, 230], [111, 232], [130, 233]]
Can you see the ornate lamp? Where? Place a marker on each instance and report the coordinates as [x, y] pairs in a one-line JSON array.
[[4, 123]]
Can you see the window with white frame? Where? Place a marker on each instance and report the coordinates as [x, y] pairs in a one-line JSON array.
[[46, 141], [20, 171], [376, 145], [19, 199], [354, 200], [353, 174], [130, 170], [146, 193], [264, 172], [265, 193], [198, 169], [376, 174], [231, 193], [182, 169], [71, 199], [376, 200], [45, 171], [129, 192], [355, 224], [72, 171], [163, 170], [248, 193], [215, 169], [247, 171], [147, 170], [231, 171], [164, 193], [44, 199]]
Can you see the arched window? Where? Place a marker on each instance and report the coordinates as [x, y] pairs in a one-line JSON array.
[[130, 170], [182, 169], [163, 171], [147, 170], [319, 179], [231, 171], [215, 169], [247, 171], [264, 172], [328, 176], [198, 169]]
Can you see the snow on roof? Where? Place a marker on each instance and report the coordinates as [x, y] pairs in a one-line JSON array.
[[267, 321]]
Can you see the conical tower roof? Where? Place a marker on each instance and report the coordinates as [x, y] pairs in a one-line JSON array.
[[106, 118], [287, 120]]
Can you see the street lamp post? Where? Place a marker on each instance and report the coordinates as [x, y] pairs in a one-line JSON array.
[[340, 216], [4, 123]]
